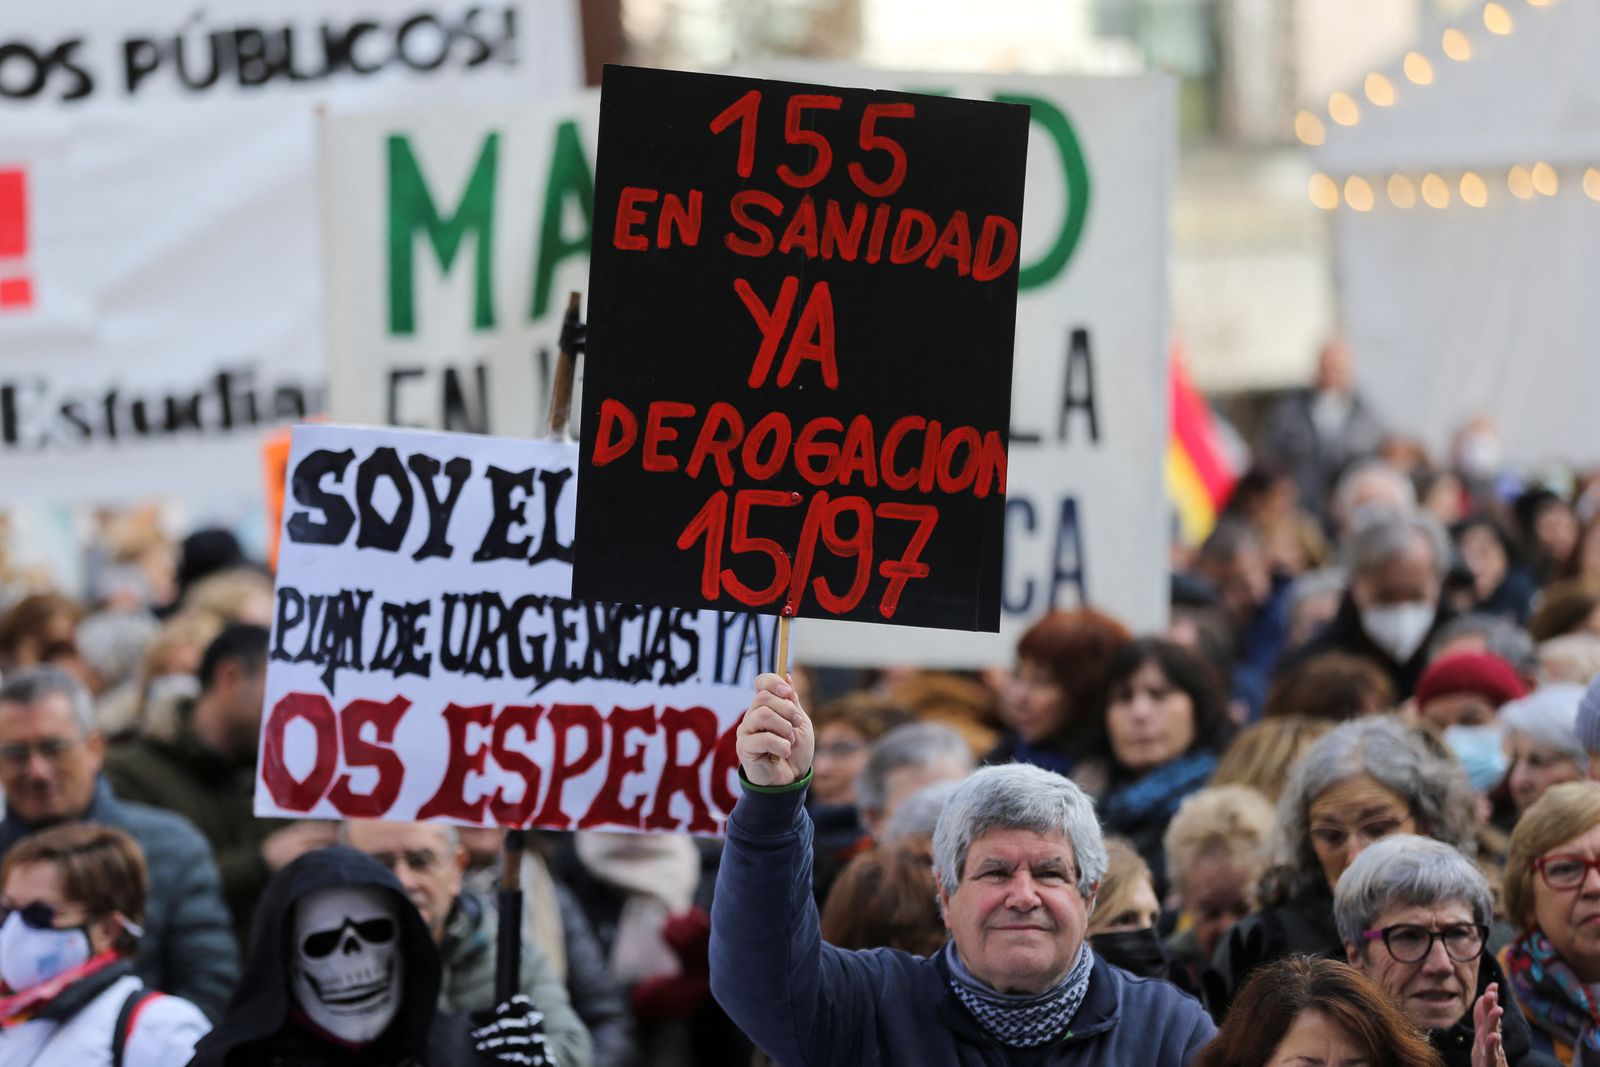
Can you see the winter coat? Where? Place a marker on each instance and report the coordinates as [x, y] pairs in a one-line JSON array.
[[1301, 926], [595, 994], [1344, 633], [467, 984], [808, 1004], [259, 1029], [77, 1028], [188, 949], [216, 794], [1516, 1037]]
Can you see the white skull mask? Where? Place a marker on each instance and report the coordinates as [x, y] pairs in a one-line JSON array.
[[345, 970]]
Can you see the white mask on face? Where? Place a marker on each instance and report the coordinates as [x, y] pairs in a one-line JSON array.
[[29, 956], [1398, 629], [345, 970]]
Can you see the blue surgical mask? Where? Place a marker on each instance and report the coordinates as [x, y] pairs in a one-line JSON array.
[[1480, 752]]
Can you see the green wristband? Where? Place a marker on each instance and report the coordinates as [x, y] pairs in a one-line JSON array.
[[799, 783]]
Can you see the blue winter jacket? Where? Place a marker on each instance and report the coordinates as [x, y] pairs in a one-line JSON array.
[[808, 1004]]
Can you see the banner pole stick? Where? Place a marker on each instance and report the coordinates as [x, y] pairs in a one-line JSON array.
[[783, 645], [571, 344], [508, 946]]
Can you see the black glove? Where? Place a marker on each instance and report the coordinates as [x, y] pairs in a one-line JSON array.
[[515, 1035]]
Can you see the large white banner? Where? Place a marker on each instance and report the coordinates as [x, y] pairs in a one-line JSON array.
[[159, 293], [498, 234], [427, 661], [452, 242]]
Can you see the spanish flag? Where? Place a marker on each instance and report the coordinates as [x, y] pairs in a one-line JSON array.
[[1200, 473]]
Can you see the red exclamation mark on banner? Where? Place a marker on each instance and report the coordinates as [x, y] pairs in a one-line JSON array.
[[16, 288]]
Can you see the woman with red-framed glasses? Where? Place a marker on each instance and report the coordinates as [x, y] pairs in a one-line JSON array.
[[1552, 893]]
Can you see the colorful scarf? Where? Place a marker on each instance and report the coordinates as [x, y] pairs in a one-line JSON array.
[[1025, 1020], [1552, 996], [1156, 796], [17, 1008]]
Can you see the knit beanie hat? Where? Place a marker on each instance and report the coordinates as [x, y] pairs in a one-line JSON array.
[[1482, 673]]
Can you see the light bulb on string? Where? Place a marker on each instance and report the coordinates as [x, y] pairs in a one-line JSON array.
[[1309, 129], [1379, 90], [1343, 110], [1474, 192], [1435, 193], [1591, 183], [1418, 69], [1497, 20], [1357, 193], [1520, 182], [1545, 182], [1456, 45], [1402, 193], [1324, 192]]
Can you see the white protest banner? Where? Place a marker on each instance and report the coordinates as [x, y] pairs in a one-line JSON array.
[[159, 295], [1087, 515], [450, 247], [427, 662]]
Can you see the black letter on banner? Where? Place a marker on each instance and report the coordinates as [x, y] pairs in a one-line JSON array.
[[550, 546], [495, 545], [306, 485], [376, 531], [1079, 357], [291, 613], [426, 468], [1069, 569]]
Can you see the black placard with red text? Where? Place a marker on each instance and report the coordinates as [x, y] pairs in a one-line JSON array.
[[798, 386]]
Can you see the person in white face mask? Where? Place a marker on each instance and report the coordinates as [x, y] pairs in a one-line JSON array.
[[70, 903], [1397, 563]]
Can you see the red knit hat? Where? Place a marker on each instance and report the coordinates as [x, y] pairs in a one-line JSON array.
[[1487, 675]]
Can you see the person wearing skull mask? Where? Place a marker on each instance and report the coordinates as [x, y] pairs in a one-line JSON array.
[[342, 970]]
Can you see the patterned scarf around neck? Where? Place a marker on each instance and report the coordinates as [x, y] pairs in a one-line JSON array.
[[1552, 994], [1022, 1020]]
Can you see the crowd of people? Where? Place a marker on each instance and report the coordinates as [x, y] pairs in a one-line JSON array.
[[1339, 810]]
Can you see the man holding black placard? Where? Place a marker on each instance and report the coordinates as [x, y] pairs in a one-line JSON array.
[[1018, 859]]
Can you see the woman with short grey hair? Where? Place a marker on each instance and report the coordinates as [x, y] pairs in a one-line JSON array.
[[1364, 780], [1414, 916]]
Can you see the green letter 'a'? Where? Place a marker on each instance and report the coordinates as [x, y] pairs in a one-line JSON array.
[[411, 208], [570, 177]]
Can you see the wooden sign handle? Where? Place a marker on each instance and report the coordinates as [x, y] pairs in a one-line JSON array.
[[783, 646], [572, 343]]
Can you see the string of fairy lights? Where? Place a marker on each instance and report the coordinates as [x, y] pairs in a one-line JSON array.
[[1433, 189]]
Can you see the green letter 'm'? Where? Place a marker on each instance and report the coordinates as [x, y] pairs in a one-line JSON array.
[[412, 208]]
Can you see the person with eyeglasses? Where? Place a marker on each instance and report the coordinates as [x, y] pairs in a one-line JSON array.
[[429, 861], [343, 971], [71, 902], [1361, 782], [1552, 895], [1414, 915], [50, 761]]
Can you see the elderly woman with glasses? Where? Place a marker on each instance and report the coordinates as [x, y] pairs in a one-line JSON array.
[[1552, 895], [1414, 915], [1367, 779]]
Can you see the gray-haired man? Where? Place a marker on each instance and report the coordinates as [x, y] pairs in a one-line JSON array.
[[1018, 859]]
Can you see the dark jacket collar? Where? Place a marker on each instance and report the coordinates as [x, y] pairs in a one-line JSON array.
[[1455, 1043]]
